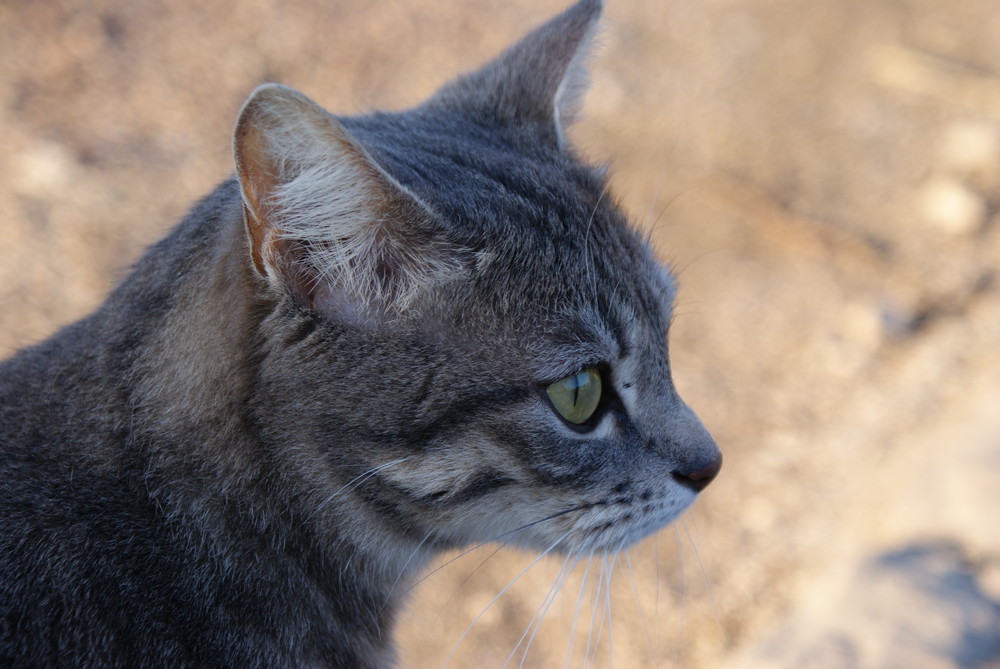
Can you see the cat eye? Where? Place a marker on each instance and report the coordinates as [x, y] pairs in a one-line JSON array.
[[576, 397]]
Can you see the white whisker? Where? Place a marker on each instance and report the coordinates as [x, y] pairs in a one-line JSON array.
[[356, 481], [601, 600], [705, 579], [576, 609], [607, 603], [638, 607], [540, 612], [586, 238], [593, 618], [562, 581], [499, 594], [508, 533], [682, 594], [648, 221], [403, 570], [473, 572]]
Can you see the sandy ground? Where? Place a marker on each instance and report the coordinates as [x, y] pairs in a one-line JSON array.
[[825, 177]]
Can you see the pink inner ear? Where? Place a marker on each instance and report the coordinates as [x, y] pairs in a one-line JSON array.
[[255, 183], [324, 220]]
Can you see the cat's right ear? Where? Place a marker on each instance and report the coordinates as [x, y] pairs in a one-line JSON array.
[[538, 82], [324, 220]]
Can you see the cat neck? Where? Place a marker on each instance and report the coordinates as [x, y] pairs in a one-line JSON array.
[[209, 422]]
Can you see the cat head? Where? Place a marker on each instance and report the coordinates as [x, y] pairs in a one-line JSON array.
[[487, 339]]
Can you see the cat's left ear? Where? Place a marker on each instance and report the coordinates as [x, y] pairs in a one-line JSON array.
[[325, 221], [539, 81]]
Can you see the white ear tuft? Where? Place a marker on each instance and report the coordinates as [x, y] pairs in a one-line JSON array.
[[324, 219]]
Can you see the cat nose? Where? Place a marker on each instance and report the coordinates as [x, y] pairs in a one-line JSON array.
[[697, 458], [697, 476]]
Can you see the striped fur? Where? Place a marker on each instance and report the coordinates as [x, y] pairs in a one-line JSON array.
[[332, 370]]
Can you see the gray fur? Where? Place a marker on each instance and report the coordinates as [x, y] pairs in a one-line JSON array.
[[269, 427]]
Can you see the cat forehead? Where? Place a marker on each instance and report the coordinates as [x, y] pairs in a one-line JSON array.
[[544, 226], [466, 169], [604, 307]]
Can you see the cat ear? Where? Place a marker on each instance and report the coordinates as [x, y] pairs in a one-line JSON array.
[[540, 80], [322, 217]]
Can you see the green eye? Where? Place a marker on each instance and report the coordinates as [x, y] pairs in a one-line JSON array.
[[576, 397]]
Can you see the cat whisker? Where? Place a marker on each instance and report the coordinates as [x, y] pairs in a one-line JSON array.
[[605, 608], [596, 621], [500, 594], [591, 642], [682, 591], [543, 607], [607, 571], [612, 560], [562, 580], [638, 605], [679, 271], [615, 563], [355, 482], [402, 571], [704, 575], [648, 221], [603, 602], [586, 237], [473, 572], [508, 533], [651, 227], [576, 609]]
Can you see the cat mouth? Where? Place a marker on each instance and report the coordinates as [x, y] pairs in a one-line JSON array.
[[615, 535], [613, 525]]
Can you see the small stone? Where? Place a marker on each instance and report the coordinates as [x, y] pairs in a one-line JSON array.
[[44, 170], [952, 207], [972, 148]]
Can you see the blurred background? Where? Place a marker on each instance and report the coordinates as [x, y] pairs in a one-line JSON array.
[[825, 178]]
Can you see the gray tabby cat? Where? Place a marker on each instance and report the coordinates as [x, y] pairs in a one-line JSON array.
[[389, 336]]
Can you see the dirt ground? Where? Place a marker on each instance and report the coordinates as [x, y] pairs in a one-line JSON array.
[[825, 178]]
